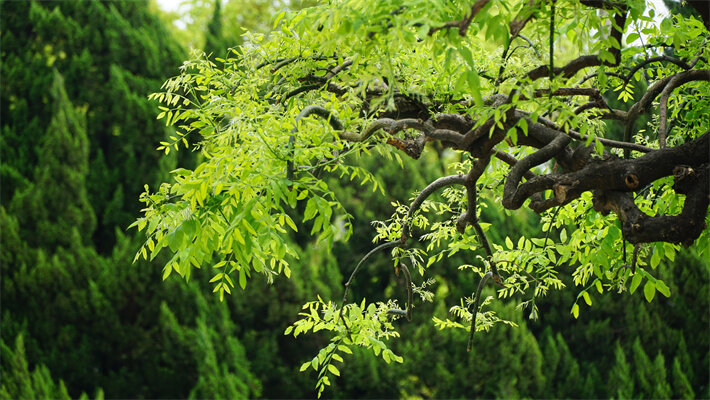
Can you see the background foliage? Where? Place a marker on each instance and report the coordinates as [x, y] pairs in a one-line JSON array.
[[78, 144]]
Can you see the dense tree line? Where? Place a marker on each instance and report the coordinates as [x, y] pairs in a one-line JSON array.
[[79, 318]]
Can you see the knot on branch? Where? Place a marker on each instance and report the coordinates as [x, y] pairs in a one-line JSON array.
[[684, 228], [631, 181], [685, 178], [561, 192], [413, 147]]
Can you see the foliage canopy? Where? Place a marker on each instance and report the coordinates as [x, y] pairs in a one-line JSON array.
[[583, 111]]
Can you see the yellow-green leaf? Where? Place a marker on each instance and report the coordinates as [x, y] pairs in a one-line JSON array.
[[649, 290], [333, 370]]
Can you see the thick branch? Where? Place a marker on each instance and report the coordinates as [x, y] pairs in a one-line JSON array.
[[578, 136], [513, 196], [639, 227], [611, 174], [651, 60]]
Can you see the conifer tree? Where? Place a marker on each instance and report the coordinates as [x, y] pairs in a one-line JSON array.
[[56, 204], [111, 55], [621, 381], [661, 388], [18, 382], [681, 384], [216, 44], [644, 370]]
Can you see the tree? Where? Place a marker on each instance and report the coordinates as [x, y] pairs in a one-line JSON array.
[[77, 128], [621, 382], [215, 44], [56, 204], [515, 98], [216, 25], [111, 55], [19, 382]]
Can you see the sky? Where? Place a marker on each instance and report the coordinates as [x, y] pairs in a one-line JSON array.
[[171, 5], [661, 9]]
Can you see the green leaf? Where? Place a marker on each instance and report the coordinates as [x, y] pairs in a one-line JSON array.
[[386, 356], [466, 55], [460, 82], [509, 243], [305, 366], [290, 223], [635, 282], [669, 251], [632, 38], [649, 290], [523, 123], [311, 208], [239, 237], [242, 278], [474, 83], [663, 289], [655, 259], [333, 370], [575, 310], [314, 363], [587, 299]]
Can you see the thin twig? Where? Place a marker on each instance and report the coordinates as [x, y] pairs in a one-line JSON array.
[[372, 252], [474, 308]]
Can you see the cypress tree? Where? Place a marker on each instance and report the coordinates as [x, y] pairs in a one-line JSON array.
[[568, 378], [644, 369], [79, 136], [681, 384], [111, 55], [661, 388], [590, 388], [17, 382], [57, 203], [621, 381], [216, 44]]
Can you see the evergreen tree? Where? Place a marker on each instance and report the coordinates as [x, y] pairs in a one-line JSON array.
[[55, 208], [78, 138], [17, 382], [680, 382], [661, 388], [216, 44], [644, 370], [621, 381], [684, 358], [592, 383], [111, 55]]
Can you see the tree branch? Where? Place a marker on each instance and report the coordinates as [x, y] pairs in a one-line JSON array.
[[678, 80], [425, 193], [611, 174], [464, 23], [639, 227]]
